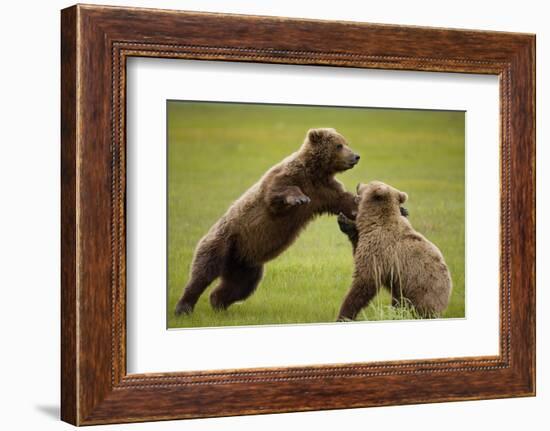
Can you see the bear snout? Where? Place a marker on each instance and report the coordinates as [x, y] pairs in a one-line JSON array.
[[354, 159]]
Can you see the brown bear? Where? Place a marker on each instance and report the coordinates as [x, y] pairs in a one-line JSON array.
[[389, 252], [268, 217]]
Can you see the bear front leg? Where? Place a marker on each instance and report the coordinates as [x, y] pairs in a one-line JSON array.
[[284, 198], [337, 200], [347, 204], [348, 227], [358, 297]]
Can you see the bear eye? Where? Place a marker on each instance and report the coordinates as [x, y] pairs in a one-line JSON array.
[[339, 146]]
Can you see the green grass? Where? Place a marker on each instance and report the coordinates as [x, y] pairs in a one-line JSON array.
[[216, 151]]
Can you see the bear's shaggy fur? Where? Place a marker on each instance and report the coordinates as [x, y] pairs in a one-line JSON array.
[[389, 252], [349, 227], [268, 217]]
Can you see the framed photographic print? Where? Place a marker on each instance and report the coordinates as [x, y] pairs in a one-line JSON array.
[[264, 214]]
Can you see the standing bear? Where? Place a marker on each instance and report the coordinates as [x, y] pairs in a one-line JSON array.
[[389, 252], [267, 219]]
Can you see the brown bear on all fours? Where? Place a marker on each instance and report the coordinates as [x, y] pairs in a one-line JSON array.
[[267, 219], [389, 253]]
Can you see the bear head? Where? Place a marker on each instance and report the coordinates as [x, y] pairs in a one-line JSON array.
[[378, 197], [327, 151]]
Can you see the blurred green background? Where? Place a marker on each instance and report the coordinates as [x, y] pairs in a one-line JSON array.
[[218, 150]]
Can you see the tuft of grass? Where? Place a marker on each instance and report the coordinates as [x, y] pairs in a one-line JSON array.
[[216, 151], [388, 312], [379, 309]]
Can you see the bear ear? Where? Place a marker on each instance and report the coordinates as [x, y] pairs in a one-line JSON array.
[[315, 136], [380, 191], [359, 188], [403, 197]]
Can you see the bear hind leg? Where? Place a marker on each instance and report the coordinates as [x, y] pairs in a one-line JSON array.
[[206, 267], [238, 282], [358, 297]]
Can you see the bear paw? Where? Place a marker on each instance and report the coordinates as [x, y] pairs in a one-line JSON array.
[[217, 302], [346, 225], [183, 308]]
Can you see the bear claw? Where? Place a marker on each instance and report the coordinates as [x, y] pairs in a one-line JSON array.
[[298, 200], [342, 218]]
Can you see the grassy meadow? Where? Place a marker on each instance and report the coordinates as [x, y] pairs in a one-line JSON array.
[[216, 151]]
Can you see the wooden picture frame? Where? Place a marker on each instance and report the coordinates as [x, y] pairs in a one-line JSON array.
[[95, 43]]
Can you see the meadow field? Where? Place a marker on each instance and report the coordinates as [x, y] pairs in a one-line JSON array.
[[216, 151]]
